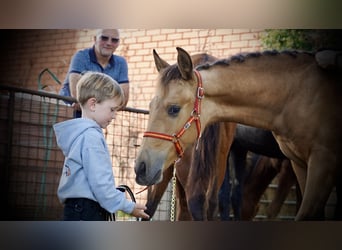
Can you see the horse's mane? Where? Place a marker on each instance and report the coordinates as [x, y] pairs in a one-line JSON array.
[[172, 72], [242, 57]]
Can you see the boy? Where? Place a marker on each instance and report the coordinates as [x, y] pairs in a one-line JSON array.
[[87, 186]]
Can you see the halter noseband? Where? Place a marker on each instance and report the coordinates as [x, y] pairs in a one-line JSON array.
[[194, 117]]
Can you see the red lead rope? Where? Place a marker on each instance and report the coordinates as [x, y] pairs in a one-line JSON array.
[[194, 117]]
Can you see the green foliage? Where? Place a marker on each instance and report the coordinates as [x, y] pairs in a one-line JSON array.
[[285, 39], [301, 39]]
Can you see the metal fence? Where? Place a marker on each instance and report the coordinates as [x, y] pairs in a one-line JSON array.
[[31, 161]]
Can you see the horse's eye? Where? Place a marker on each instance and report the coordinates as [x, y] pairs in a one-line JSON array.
[[173, 110]]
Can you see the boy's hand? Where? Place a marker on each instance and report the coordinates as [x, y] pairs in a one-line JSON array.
[[138, 211]]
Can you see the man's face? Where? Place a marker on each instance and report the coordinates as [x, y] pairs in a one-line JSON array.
[[106, 42]]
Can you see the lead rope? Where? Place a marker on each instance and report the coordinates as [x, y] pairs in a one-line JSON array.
[[122, 188], [173, 194]]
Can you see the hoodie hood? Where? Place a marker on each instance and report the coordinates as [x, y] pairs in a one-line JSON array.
[[68, 131]]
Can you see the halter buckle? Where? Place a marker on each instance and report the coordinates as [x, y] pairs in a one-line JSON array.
[[200, 92], [187, 125]]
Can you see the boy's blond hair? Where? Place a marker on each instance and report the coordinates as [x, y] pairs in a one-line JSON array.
[[99, 86]]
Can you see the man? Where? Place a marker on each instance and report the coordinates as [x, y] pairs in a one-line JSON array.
[[99, 58]]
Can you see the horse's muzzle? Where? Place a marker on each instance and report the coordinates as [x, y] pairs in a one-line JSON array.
[[145, 177]]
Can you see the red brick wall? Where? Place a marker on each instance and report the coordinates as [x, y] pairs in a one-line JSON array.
[[25, 53]]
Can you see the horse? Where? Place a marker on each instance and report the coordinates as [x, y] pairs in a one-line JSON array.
[[200, 172], [245, 138], [285, 92], [257, 181], [260, 142]]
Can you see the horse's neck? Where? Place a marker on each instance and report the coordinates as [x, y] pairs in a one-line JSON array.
[[244, 95]]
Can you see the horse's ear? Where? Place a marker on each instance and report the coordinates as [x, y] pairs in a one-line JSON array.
[[160, 63], [184, 64]]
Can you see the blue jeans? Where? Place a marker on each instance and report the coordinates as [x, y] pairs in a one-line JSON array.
[[76, 209]]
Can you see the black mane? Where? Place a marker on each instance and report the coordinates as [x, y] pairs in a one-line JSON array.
[[239, 58], [172, 72]]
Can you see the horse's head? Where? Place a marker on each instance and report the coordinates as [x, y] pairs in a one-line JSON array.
[[174, 119]]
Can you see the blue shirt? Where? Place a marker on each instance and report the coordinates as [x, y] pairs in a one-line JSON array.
[[85, 60]]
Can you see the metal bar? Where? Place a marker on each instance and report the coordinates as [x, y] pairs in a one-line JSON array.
[[59, 97], [5, 213]]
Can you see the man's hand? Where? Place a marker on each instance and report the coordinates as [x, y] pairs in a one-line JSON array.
[[76, 106]]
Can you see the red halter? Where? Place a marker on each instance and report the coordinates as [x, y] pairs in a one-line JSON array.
[[194, 117]]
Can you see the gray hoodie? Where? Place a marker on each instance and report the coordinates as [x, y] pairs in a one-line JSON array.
[[87, 170]]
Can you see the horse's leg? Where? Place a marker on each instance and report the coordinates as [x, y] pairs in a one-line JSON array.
[[213, 202], [286, 179], [320, 180], [224, 195], [182, 173], [183, 213], [196, 191], [220, 190], [219, 173], [255, 185], [208, 170], [215, 183], [239, 165], [156, 192], [197, 204], [200, 174]]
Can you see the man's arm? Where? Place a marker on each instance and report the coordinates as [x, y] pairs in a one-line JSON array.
[[73, 79], [125, 88]]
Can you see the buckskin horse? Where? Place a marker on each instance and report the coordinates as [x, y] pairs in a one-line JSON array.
[[261, 172], [257, 181], [287, 93], [194, 187], [200, 172]]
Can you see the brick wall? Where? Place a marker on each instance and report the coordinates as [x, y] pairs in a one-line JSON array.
[[25, 53]]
